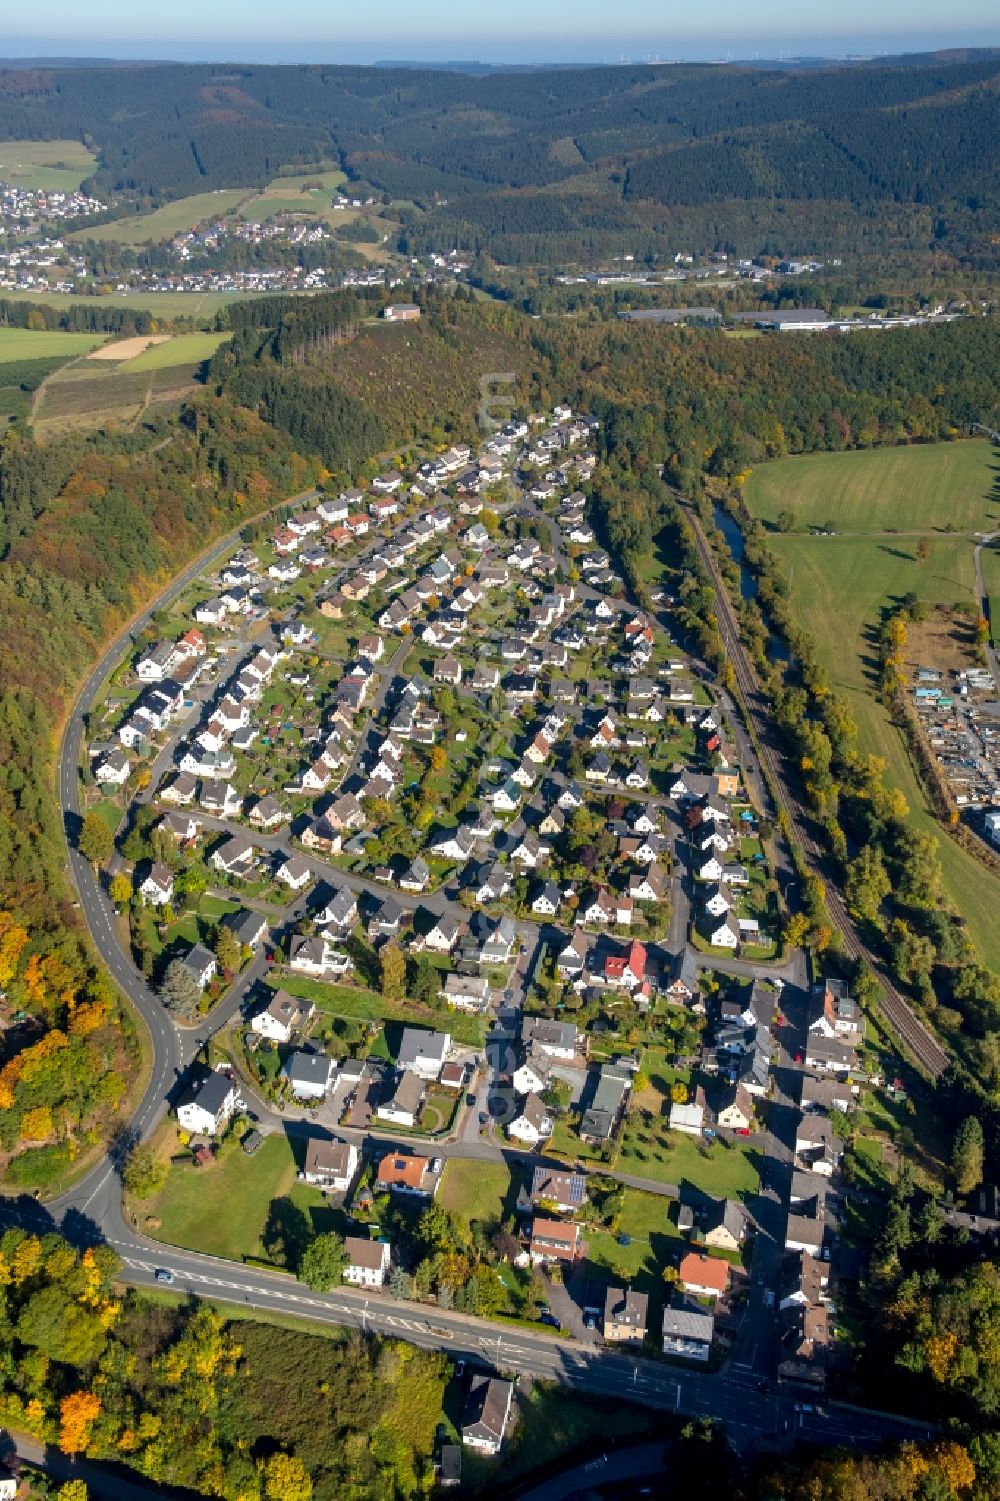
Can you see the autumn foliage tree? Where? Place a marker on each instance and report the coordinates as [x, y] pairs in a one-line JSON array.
[[77, 1414]]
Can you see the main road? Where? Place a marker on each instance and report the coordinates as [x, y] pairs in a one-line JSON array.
[[93, 1207]]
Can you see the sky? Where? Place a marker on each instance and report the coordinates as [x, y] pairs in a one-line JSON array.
[[521, 31]]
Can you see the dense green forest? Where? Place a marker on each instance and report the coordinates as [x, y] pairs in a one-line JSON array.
[[552, 165]]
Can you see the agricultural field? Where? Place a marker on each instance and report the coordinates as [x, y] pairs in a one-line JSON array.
[[928, 487], [290, 195], [840, 587], [18, 344], [182, 349], [164, 223], [45, 166], [85, 397]]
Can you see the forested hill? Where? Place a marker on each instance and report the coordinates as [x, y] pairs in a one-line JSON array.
[[527, 157]]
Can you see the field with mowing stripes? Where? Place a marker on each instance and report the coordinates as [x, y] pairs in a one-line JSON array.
[[182, 349], [17, 344], [842, 585], [920, 487]]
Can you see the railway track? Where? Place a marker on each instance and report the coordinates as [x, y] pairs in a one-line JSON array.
[[898, 1013]]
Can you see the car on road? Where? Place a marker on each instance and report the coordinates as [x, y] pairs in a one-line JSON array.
[[769, 1299], [163, 1274], [484, 1118], [459, 1369], [804, 1407]]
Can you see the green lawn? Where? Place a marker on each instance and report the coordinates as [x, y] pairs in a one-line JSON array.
[[243, 1188], [165, 222], [839, 588], [18, 344], [52, 166], [182, 349], [367, 1005], [475, 1190], [916, 488], [646, 1218], [650, 1150]]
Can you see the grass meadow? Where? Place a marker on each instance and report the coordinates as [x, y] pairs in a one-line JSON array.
[[842, 585]]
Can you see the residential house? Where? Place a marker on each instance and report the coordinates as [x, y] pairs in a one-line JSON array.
[[818, 1147], [824, 1094], [423, 1052], [689, 1116], [829, 1055], [466, 992], [309, 1074], [607, 1100], [281, 1017], [402, 1099], [834, 1015], [403, 1172], [626, 1313], [532, 1124], [532, 1074], [367, 1261], [555, 1190], [201, 964], [627, 970], [704, 1276], [417, 875], [316, 955], [295, 872], [158, 887], [444, 934], [688, 1330], [557, 1039], [554, 1240], [330, 1165], [735, 1108], [725, 1225], [805, 1283], [487, 1410], [208, 1105]]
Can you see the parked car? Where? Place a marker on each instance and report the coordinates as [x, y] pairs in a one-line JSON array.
[[551, 1320]]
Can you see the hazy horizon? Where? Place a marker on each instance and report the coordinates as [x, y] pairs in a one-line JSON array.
[[526, 47]]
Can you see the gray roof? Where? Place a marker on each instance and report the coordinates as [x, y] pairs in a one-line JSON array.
[[308, 1068], [548, 1033], [244, 925], [487, 1408], [405, 1092], [687, 1321], [623, 1306], [210, 1093], [417, 1043]]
